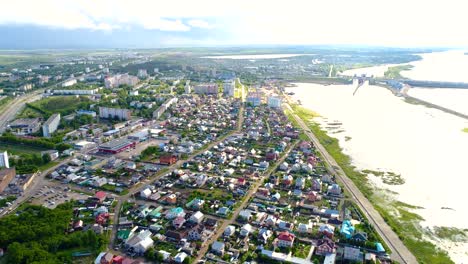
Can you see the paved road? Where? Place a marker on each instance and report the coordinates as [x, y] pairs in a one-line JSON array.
[[246, 199], [399, 251], [15, 106], [139, 187]]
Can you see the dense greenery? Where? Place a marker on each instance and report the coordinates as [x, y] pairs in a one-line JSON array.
[[4, 201], [53, 143], [38, 235], [150, 153], [394, 72], [29, 163]]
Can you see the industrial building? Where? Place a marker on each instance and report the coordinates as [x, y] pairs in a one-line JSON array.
[[139, 136], [77, 92], [107, 112], [6, 175], [116, 146], [25, 126], [4, 160], [51, 125]]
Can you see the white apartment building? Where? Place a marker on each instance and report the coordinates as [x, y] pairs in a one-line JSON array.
[[69, 82], [4, 160], [229, 86], [107, 112], [120, 79], [51, 125]]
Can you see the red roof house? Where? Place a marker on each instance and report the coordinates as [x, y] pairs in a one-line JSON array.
[[285, 239], [100, 196]]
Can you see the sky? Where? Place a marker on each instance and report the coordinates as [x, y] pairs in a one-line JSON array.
[[182, 23]]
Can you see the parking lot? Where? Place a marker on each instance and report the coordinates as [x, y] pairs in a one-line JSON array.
[[51, 196]]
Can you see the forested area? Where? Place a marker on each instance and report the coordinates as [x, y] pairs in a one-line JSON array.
[[39, 235]]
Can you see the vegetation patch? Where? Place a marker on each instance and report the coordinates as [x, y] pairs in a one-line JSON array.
[[39, 235], [387, 177], [465, 130], [60, 104], [395, 71], [451, 233]]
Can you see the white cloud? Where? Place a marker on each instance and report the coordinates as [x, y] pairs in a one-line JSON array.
[[198, 23], [372, 22]]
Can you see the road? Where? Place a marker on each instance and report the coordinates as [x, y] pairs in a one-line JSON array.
[[246, 199], [399, 251], [15, 106], [137, 188]]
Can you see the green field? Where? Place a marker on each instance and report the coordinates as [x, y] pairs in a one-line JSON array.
[[19, 149], [60, 104], [465, 130]]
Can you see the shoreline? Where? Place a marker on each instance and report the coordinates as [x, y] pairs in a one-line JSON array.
[[409, 231]]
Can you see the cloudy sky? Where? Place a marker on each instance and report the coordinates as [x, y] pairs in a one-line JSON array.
[[173, 23]]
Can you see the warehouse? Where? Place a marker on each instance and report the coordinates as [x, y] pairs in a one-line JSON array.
[[116, 146]]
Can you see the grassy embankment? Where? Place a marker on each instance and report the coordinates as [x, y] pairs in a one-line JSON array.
[[58, 104], [397, 214], [395, 71], [4, 102], [465, 130]]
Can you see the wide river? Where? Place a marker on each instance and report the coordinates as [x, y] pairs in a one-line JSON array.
[[426, 146]]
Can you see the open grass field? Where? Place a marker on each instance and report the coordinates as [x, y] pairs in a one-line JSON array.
[[59, 104], [19, 149]]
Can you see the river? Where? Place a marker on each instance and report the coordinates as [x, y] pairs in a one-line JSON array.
[[380, 131]]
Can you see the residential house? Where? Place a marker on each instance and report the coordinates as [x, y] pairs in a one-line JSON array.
[[180, 257], [175, 212], [245, 230], [334, 189], [229, 231], [264, 235], [218, 248], [287, 180], [283, 225], [300, 183], [327, 230], [353, 254], [285, 239], [325, 246], [196, 217], [178, 222], [245, 215], [304, 228]]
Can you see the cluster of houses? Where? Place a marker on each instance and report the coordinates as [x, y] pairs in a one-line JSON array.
[[300, 207]]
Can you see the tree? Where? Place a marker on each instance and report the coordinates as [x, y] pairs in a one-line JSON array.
[[46, 158]]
